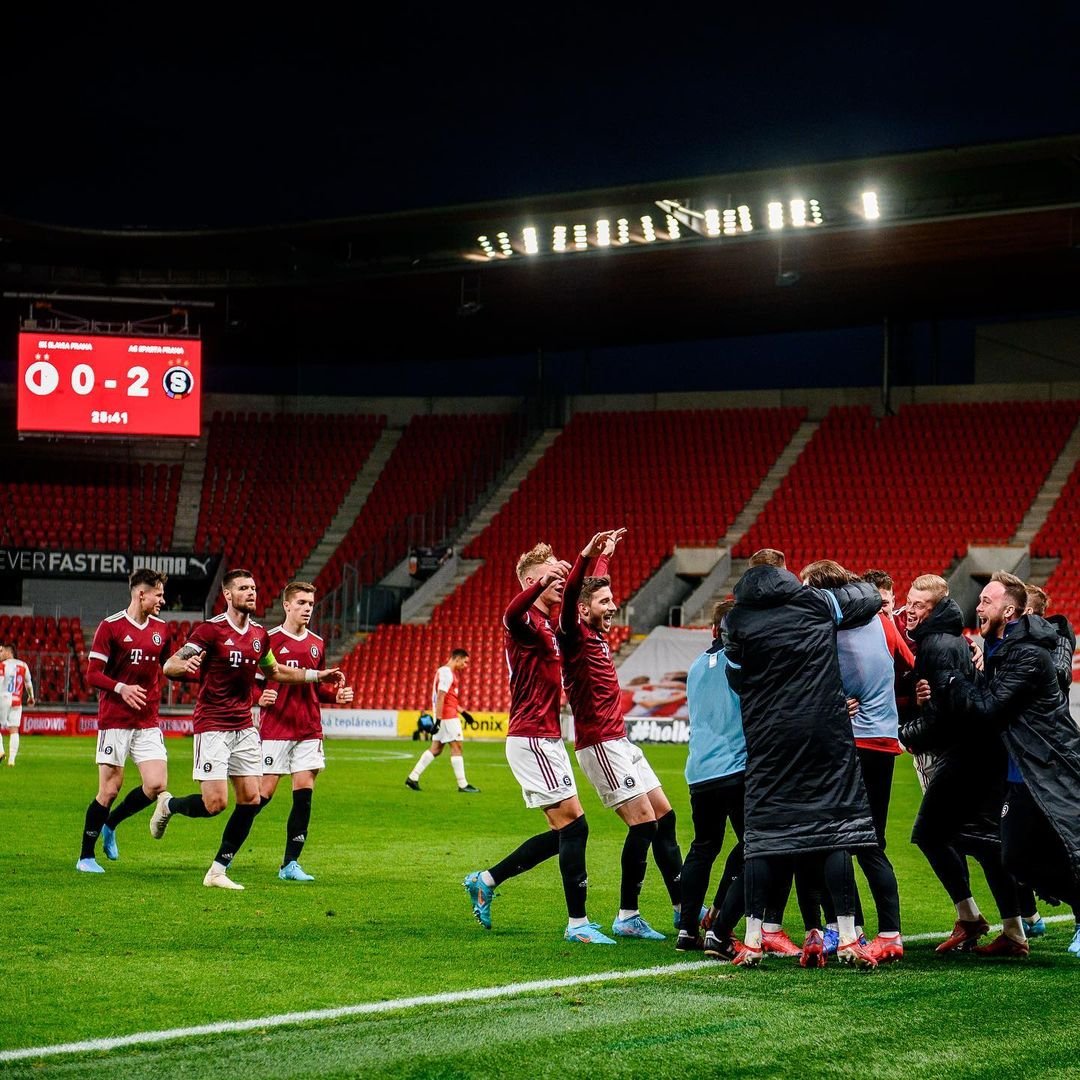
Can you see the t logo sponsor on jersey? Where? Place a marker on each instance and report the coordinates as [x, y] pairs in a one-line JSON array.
[[136, 656], [235, 656]]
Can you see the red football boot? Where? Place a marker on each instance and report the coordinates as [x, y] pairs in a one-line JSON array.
[[1003, 945], [965, 935], [856, 954], [778, 943], [887, 950], [813, 950]]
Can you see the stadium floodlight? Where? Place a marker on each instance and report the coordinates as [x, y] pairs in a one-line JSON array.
[[648, 230], [870, 206], [674, 232], [485, 243], [730, 226], [746, 222], [798, 212], [815, 211], [504, 244], [581, 237], [558, 238], [529, 237], [712, 222], [623, 226], [776, 215], [603, 233]]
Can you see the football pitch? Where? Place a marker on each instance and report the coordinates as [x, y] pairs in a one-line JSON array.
[[383, 949]]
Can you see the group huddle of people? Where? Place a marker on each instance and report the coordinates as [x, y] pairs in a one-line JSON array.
[[811, 689]]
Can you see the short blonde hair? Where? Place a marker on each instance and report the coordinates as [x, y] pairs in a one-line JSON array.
[[934, 584], [1015, 589], [537, 556], [1037, 599]]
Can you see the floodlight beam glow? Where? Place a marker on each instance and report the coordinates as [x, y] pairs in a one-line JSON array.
[[871, 210]]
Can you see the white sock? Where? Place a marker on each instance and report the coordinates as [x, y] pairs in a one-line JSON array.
[[1032, 918], [890, 934], [832, 926], [221, 868], [426, 758], [13, 747], [1, 744], [677, 908], [845, 925], [771, 927], [624, 914], [1014, 928], [752, 937], [967, 910], [487, 879], [573, 924], [458, 765]]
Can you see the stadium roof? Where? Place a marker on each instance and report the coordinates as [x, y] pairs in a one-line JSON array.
[[969, 230]]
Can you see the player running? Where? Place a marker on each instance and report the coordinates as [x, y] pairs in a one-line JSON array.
[[290, 722], [535, 750], [125, 668], [225, 654], [15, 684], [616, 768]]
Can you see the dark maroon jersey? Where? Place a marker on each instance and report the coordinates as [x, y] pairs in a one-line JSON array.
[[125, 652], [295, 715], [532, 658], [231, 660]]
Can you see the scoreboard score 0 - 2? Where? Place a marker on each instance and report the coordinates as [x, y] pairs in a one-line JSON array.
[[95, 384]]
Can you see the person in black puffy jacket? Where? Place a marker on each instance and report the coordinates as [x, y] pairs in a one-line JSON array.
[[804, 791], [961, 806], [1037, 603], [1019, 695]]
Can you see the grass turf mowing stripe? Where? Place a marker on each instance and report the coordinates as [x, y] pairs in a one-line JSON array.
[[371, 1008]]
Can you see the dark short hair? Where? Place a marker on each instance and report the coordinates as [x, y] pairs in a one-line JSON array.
[[459, 654], [144, 577], [720, 610], [235, 575], [590, 586], [879, 579], [826, 574], [768, 557]]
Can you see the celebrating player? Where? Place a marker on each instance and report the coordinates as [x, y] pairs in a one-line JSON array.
[[16, 683], [617, 768], [125, 668], [290, 722], [535, 750], [226, 653]]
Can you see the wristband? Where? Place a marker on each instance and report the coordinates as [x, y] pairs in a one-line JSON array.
[[311, 675], [118, 687]]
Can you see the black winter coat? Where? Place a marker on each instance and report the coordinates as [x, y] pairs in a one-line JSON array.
[[1019, 696], [1063, 653], [962, 801], [804, 789]]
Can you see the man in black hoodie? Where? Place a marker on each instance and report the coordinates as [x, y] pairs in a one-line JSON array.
[[961, 806], [804, 794], [1019, 696]]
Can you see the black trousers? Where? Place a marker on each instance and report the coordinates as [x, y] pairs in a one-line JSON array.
[[712, 805], [1032, 851], [765, 873], [877, 769]]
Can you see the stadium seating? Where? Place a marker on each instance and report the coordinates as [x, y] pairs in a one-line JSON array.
[[55, 652], [273, 485], [908, 493], [1060, 538], [437, 470], [678, 477]]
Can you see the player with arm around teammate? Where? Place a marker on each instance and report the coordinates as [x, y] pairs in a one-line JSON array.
[[226, 653], [290, 722], [535, 750], [15, 685], [125, 668]]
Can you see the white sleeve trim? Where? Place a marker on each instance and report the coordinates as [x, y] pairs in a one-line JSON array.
[[98, 656]]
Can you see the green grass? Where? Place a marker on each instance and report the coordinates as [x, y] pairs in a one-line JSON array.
[[146, 947]]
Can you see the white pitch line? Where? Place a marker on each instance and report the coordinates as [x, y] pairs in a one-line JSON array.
[[487, 993]]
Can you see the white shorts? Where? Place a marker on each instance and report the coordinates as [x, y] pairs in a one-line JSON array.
[[116, 745], [542, 768], [10, 715], [449, 731], [282, 757], [618, 770], [221, 754]]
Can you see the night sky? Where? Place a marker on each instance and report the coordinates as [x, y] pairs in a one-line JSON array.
[[217, 123]]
